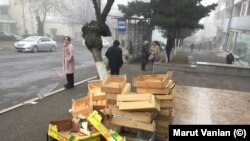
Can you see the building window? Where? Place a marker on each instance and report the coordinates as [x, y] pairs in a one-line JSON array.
[[248, 9], [242, 13], [245, 8], [242, 48], [6, 27]]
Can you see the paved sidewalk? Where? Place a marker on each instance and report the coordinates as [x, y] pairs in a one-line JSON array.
[[30, 122]]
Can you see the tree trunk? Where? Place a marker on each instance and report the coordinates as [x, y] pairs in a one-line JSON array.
[[92, 33], [170, 44]]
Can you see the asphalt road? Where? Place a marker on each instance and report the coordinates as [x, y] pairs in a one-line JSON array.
[[26, 75]]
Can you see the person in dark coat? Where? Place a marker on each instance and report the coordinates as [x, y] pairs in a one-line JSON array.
[[144, 55], [114, 55], [230, 58]]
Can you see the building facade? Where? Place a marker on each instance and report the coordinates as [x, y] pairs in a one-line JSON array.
[[233, 28], [19, 17], [7, 24]]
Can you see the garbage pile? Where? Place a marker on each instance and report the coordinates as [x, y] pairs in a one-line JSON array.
[[111, 111]]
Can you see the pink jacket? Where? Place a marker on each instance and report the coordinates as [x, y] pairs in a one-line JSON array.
[[69, 61]]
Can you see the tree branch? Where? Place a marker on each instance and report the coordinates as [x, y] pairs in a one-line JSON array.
[[106, 10], [97, 9]]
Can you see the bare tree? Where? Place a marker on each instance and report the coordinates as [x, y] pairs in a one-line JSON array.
[[92, 33], [41, 9], [77, 11]]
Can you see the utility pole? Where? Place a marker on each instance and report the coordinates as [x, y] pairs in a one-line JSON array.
[[24, 23], [229, 24]]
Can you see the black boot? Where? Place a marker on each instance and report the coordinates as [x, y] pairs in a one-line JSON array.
[[71, 81]]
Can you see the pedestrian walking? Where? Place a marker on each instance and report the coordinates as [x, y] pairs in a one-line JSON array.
[[154, 53], [69, 62], [144, 55], [230, 58], [114, 55]]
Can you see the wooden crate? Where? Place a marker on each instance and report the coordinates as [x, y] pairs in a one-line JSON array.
[[116, 120], [97, 96], [163, 121], [161, 136], [82, 106], [171, 96], [151, 81], [113, 96], [94, 88], [133, 134], [138, 102], [167, 112], [160, 129], [99, 104], [114, 83], [166, 90], [145, 117]]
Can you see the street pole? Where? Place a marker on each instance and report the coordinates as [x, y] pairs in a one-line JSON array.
[[228, 27]]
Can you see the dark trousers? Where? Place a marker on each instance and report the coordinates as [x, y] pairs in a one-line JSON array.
[[168, 51], [144, 62], [70, 80], [115, 71]]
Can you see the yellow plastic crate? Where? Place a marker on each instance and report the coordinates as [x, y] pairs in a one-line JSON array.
[[95, 119], [60, 130]]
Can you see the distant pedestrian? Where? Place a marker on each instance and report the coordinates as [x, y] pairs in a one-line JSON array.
[[69, 62], [154, 53], [192, 47], [230, 58], [114, 55], [144, 55]]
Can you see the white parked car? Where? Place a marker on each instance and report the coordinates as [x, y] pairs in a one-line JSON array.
[[105, 43], [36, 43]]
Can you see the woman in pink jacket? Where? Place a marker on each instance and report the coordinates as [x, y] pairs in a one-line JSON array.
[[69, 62]]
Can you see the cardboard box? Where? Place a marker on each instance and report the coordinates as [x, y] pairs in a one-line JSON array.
[[133, 124], [61, 130], [82, 106], [151, 81], [145, 117], [138, 102], [114, 83]]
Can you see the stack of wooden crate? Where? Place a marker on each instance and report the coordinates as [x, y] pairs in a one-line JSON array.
[[104, 92], [135, 111], [97, 96], [162, 87]]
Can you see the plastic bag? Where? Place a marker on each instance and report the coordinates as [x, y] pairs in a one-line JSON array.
[[151, 57]]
